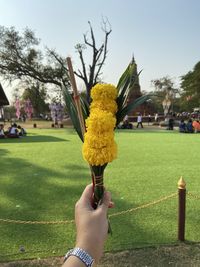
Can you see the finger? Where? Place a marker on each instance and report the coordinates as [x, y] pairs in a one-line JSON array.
[[105, 202], [86, 195], [111, 205]]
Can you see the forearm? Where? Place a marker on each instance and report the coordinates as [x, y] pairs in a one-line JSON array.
[[92, 230]]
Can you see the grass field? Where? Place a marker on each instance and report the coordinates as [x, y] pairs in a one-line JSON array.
[[43, 175]]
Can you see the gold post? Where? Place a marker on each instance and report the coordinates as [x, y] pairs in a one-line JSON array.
[[181, 183], [181, 209], [76, 95]]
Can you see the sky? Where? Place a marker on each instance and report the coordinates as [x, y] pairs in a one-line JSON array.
[[163, 35]]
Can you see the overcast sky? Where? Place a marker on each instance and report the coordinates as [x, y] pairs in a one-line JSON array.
[[163, 34]]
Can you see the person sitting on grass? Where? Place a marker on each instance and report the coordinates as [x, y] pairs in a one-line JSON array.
[[126, 124], [13, 131], [91, 230], [2, 134], [22, 131], [196, 126], [182, 127], [189, 126]]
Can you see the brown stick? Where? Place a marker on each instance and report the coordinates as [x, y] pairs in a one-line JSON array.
[[76, 95], [181, 209]]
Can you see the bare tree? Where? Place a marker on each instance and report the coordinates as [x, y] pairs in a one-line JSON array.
[[99, 54]]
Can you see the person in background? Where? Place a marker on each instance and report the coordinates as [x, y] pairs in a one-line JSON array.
[[149, 118], [13, 131], [24, 117], [22, 131], [126, 124], [139, 120], [2, 134], [189, 126], [156, 117], [182, 126], [196, 126], [91, 230], [171, 124]]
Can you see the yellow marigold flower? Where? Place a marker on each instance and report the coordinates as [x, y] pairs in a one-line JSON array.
[[100, 121], [96, 157], [99, 146], [99, 140], [106, 105], [104, 92]]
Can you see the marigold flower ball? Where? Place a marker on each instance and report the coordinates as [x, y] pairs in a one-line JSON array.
[[99, 140], [99, 156], [104, 92], [100, 121], [99, 146], [104, 105]]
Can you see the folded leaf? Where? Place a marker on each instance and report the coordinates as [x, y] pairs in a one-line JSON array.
[[130, 107], [71, 107]]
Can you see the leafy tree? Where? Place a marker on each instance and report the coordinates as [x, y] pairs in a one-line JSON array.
[[10, 112], [37, 95], [20, 58], [165, 87], [190, 86]]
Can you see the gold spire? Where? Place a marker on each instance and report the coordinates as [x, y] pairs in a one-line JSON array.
[[181, 183]]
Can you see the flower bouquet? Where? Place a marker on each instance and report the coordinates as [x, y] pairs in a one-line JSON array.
[[95, 122]]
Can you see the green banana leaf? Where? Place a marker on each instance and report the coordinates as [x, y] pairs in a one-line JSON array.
[[71, 107], [127, 74], [126, 81], [130, 107], [75, 121], [85, 107]]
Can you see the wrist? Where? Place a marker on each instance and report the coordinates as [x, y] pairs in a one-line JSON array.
[[80, 256], [73, 261], [92, 249]]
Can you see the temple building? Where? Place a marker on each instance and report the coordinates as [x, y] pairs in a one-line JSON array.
[[135, 92], [3, 102]]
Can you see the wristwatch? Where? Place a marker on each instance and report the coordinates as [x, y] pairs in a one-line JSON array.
[[81, 254]]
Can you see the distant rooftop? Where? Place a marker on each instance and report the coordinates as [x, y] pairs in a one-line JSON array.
[[3, 99]]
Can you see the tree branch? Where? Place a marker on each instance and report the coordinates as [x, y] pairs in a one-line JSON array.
[[105, 51], [79, 75], [98, 56], [84, 74]]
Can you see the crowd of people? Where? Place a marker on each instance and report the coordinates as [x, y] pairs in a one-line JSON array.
[[14, 131], [190, 126]]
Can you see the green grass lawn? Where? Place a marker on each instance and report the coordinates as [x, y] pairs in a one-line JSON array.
[[43, 175]]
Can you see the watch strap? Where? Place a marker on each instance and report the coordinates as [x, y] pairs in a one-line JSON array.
[[81, 254]]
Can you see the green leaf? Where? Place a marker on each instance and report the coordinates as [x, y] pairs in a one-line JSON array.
[[67, 97], [75, 121], [127, 80], [123, 93], [128, 73], [69, 101], [85, 107], [131, 106]]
